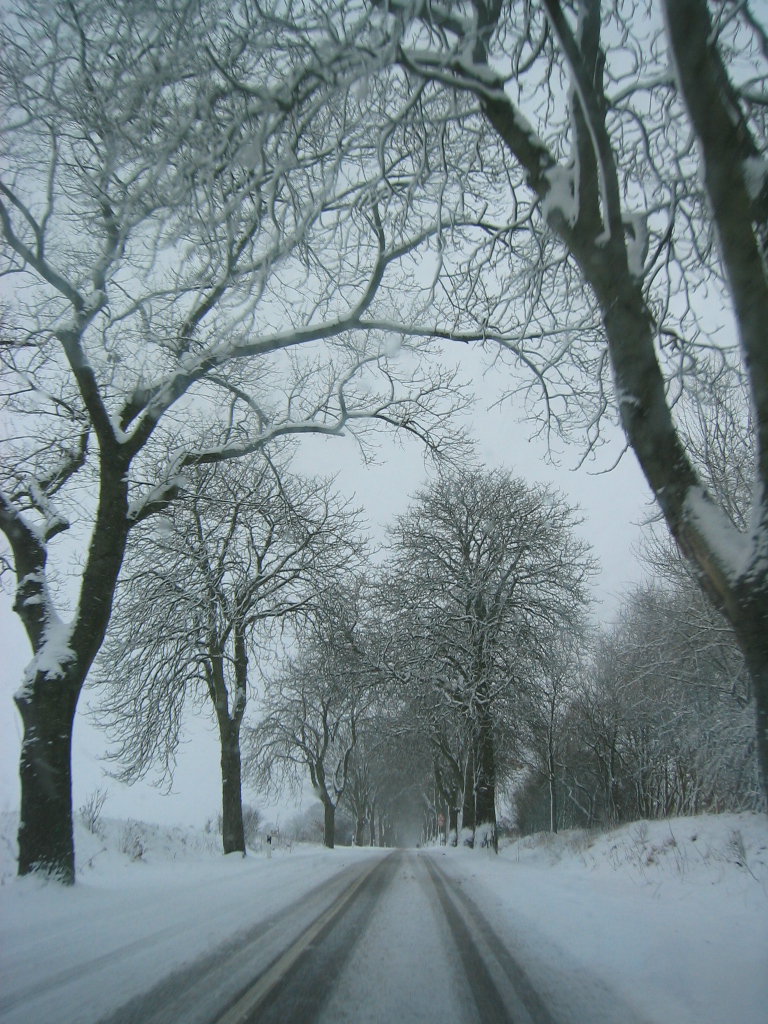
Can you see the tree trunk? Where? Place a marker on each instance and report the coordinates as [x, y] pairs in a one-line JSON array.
[[485, 787], [759, 677], [373, 824], [552, 770], [468, 805], [751, 630], [552, 796], [329, 824], [360, 830], [45, 837], [232, 832], [453, 824], [47, 704]]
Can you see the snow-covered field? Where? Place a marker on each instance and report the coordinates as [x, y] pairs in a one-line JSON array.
[[671, 916], [658, 921]]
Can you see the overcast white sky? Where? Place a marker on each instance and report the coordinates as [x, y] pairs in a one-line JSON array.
[[613, 504]]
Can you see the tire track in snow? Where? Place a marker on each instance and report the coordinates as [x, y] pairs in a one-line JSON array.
[[201, 992], [298, 991], [363, 961], [500, 987]]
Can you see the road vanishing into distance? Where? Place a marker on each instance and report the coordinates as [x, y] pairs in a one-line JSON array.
[[398, 945], [391, 939]]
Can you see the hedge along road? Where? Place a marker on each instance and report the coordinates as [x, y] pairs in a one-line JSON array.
[[396, 941]]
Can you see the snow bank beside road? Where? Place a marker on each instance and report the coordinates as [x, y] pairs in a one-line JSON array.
[[75, 955], [670, 916]]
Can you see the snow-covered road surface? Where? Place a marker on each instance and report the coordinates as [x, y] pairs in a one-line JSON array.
[[401, 942], [654, 922], [72, 956], [422, 956]]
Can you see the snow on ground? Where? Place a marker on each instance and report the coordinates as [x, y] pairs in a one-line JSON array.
[[148, 899], [672, 916], [657, 921]]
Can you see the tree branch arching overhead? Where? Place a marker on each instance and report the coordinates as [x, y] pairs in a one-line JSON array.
[[192, 250], [622, 152]]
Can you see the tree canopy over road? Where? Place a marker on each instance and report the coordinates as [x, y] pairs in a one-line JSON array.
[[225, 225]]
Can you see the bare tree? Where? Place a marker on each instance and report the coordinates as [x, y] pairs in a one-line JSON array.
[[249, 547], [657, 723], [312, 710], [451, 748], [360, 795], [549, 692], [620, 152], [484, 569], [192, 240]]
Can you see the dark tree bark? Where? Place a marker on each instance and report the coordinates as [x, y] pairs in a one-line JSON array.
[[329, 824], [45, 825], [230, 720], [360, 831], [552, 793], [468, 805], [448, 779], [752, 633], [453, 824], [47, 704], [232, 832], [485, 785], [357, 792], [551, 762]]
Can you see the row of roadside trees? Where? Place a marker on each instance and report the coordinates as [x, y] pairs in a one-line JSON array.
[[260, 581], [226, 225], [460, 668]]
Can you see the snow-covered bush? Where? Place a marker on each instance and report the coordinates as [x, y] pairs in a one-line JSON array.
[[132, 841], [90, 811]]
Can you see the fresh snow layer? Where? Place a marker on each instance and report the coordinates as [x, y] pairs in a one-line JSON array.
[[404, 968], [657, 921], [147, 901]]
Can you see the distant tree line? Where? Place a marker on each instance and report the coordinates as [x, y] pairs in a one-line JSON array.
[[417, 694], [483, 676], [657, 722]]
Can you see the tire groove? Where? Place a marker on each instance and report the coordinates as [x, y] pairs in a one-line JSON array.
[[524, 990], [182, 994], [300, 993], [488, 1000]]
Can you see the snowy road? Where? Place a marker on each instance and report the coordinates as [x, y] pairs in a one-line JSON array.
[[399, 942], [648, 924], [411, 952]]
